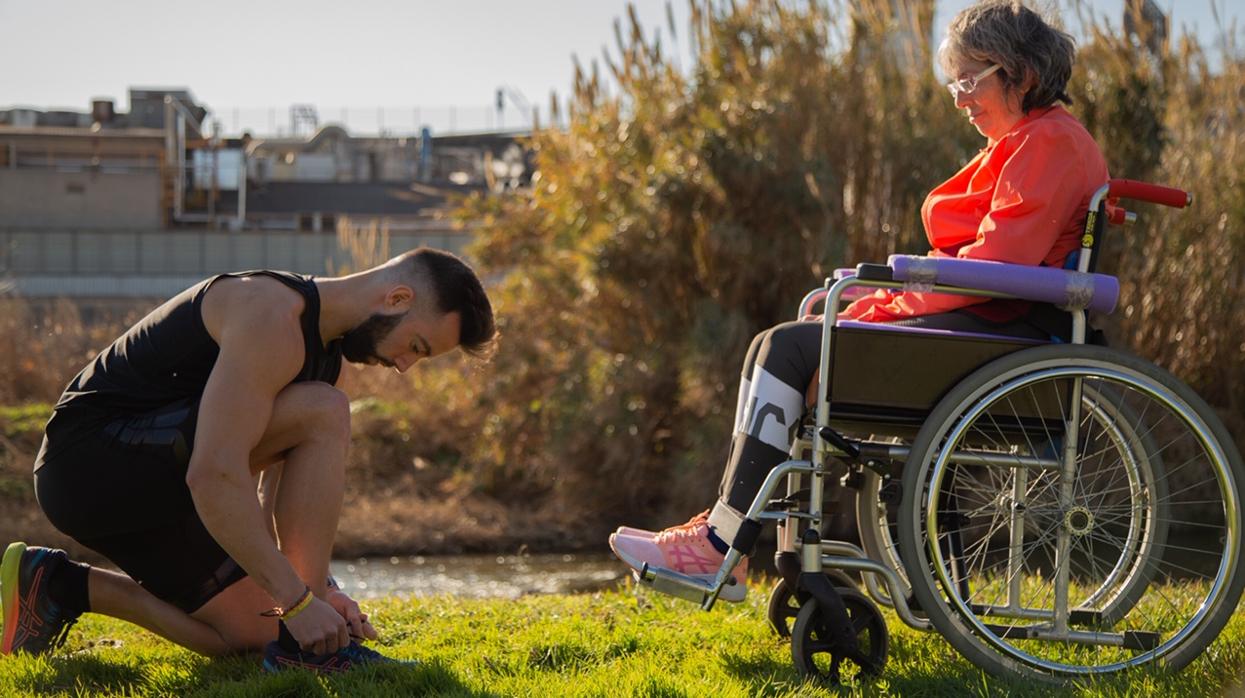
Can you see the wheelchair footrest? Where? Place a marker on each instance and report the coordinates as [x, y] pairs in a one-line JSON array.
[[674, 583]]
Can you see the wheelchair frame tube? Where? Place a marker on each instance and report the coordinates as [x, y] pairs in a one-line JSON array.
[[1063, 536], [850, 557], [1015, 548]]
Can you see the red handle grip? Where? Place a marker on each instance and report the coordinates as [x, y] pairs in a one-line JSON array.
[[1153, 193]]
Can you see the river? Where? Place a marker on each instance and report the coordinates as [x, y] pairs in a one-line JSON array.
[[478, 576]]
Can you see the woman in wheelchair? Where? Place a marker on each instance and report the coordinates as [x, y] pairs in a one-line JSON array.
[[1022, 199]]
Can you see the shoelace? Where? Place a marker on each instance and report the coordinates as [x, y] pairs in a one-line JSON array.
[[59, 641], [686, 530], [359, 652]]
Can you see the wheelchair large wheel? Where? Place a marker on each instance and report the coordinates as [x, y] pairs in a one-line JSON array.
[[1073, 511], [877, 507], [877, 521]]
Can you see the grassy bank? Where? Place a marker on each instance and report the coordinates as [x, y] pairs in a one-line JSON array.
[[609, 644]]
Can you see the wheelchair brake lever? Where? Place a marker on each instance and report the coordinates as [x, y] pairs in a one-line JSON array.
[[837, 440]]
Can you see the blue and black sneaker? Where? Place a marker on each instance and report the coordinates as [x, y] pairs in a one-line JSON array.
[[277, 658], [30, 621]]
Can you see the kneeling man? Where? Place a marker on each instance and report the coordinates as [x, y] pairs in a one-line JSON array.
[[152, 453]]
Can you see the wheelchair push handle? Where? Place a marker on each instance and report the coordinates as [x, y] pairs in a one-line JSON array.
[[1152, 193]]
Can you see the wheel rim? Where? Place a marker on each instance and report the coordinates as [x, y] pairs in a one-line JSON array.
[[783, 609], [877, 523], [812, 646], [1126, 534]]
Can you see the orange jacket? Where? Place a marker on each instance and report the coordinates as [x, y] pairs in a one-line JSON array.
[[1023, 200]]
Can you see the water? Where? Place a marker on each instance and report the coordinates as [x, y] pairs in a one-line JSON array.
[[478, 576]]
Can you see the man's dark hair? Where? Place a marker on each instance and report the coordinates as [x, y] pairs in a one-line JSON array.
[[456, 288]]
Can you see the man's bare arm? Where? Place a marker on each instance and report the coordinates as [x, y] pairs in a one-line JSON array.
[[261, 351]]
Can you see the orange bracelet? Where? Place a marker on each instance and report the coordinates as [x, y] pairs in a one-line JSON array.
[[303, 602]]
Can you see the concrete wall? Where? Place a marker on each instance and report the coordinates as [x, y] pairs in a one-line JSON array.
[[94, 264], [49, 198]]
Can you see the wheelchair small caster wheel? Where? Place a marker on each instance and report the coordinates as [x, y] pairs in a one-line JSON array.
[[784, 606], [813, 648]]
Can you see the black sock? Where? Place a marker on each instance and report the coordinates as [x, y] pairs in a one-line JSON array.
[[285, 640], [68, 587], [716, 541]]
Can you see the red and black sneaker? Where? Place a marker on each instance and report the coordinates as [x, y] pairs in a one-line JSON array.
[[277, 658], [30, 621]]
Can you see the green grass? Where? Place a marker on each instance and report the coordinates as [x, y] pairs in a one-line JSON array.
[[608, 644]]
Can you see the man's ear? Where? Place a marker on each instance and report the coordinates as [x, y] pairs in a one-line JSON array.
[[400, 297]]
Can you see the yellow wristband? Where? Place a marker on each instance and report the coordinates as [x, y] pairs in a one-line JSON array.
[[303, 602]]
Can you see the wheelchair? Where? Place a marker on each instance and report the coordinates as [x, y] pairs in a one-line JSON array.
[[1055, 510]]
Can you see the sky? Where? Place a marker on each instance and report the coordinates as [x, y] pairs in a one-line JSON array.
[[372, 63]]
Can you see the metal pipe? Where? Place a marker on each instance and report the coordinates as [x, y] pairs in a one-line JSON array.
[[839, 562], [241, 218], [771, 483], [872, 583], [1015, 548], [1095, 206], [991, 458]]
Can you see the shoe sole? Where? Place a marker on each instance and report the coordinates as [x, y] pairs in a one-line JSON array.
[[10, 568], [733, 593]]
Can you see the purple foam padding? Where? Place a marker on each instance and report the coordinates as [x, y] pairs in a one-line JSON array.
[[885, 327], [844, 272], [1062, 287]]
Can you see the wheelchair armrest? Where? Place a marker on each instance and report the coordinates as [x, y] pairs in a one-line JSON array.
[[875, 272], [1068, 289], [818, 295]]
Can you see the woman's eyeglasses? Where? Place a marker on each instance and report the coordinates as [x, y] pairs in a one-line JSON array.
[[968, 84]]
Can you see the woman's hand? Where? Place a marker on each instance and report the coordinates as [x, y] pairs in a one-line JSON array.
[[356, 620]]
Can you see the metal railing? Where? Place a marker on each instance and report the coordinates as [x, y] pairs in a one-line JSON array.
[[303, 120], [89, 263]]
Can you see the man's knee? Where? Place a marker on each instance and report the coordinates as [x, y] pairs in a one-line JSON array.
[[321, 408]]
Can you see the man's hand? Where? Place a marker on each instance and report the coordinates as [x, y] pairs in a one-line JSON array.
[[356, 619], [319, 628]]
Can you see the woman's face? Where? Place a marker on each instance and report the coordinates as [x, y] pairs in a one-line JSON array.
[[993, 108]]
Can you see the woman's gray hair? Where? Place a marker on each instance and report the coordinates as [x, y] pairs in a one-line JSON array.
[[1017, 39]]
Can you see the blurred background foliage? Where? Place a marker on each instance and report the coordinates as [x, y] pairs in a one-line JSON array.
[[689, 206]]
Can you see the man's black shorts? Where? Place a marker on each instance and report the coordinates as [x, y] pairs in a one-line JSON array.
[[118, 486]]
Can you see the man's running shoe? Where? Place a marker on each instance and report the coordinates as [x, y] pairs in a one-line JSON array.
[[685, 549], [277, 658], [31, 621]]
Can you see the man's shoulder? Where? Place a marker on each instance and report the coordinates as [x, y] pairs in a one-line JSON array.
[[255, 294], [264, 308]]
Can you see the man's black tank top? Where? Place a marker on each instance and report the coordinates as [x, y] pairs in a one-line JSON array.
[[168, 356]]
